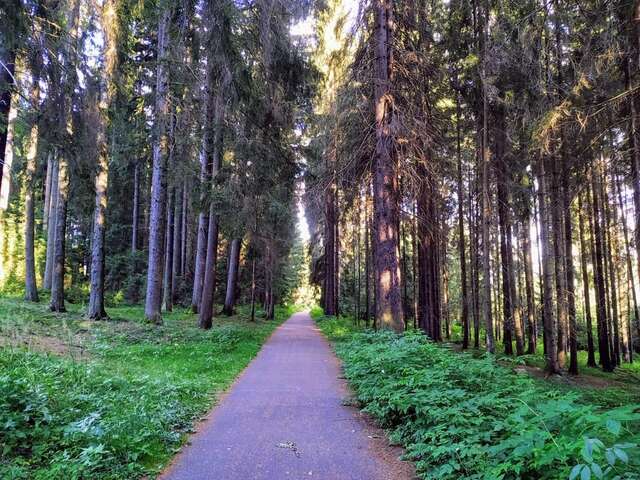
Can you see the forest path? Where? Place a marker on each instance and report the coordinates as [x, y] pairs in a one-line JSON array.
[[284, 418]]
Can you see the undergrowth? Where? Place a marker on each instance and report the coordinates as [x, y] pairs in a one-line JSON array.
[[461, 417], [122, 410]]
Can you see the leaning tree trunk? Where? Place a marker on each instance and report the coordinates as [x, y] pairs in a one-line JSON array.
[[7, 56], [232, 277], [385, 180], [153, 301]]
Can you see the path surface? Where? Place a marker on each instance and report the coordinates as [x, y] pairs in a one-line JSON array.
[[290, 393]]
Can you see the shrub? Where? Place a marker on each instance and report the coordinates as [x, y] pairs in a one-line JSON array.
[[464, 417]]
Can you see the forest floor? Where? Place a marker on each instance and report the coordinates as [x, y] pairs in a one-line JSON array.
[[113, 399], [286, 417], [474, 415]]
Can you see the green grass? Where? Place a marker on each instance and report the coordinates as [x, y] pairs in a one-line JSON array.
[[466, 416], [110, 400]]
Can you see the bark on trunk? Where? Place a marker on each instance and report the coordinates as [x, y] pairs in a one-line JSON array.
[[153, 301], [57, 267], [331, 268], [96, 310], [168, 257], [385, 181], [136, 205], [31, 289], [7, 84], [51, 225], [464, 301], [550, 327], [232, 277], [584, 255], [528, 281], [176, 261], [599, 273]]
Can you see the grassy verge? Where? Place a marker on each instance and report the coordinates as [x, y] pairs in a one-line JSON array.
[[461, 416], [110, 400]]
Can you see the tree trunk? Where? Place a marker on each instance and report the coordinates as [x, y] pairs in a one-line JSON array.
[[57, 267], [232, 277], [550, 327], [464, 300], [46, 206], [168, 257], [153, 301], [176, 261], [209, 281], [51, 225], [611, 266], [584, 254], [632, 282], [528, 281], [385, 181], [96, 309], [331, 268], [7, 56], [31, 289], [136, 205], [253, 290], [599, 273]]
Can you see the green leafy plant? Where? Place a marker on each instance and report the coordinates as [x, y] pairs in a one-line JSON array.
[[461, 417]]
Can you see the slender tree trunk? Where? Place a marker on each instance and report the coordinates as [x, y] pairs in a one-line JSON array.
[[464, 300], [331, 274], [176, 272], [168, 258], [185, 232], [611, 266], [253, 290], [57, 274], [136, 205], [367, 262], [153, 301], [51, 225], [599, 273], [632, 282], [385, 180], [7, 80], [46, 207], [209, 282], [528, 280], [557, 231], [550, 327], [584, 254], [31, 289], [96, 310], [232, 276]]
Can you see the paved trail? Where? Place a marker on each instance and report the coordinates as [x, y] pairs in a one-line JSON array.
[[289, 394]]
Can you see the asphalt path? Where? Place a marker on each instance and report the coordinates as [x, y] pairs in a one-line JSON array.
[[286, 418]]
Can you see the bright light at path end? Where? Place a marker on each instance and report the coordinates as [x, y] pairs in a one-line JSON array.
[[303, 226]]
